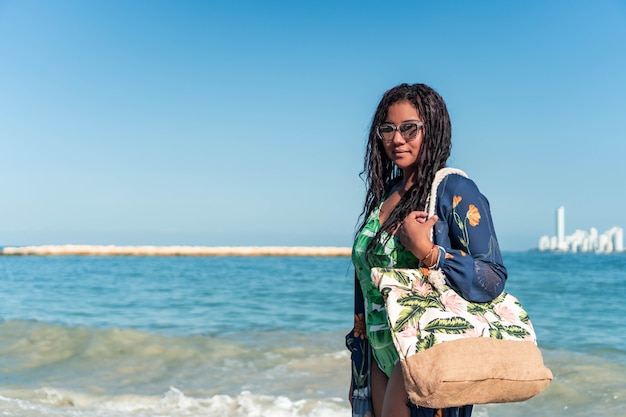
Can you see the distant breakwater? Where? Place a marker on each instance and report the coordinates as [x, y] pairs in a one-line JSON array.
[[114, 250]]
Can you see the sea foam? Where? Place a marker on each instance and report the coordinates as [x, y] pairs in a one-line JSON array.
[[173, 403]]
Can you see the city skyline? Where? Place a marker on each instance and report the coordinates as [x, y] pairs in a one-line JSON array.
[[612, 240]]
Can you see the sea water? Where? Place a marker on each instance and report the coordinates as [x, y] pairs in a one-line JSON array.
[[264, 336]]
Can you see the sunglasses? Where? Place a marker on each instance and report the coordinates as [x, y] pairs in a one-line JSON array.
[[408, 130]]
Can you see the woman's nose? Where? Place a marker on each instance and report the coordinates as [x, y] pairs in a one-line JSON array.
[[397, 137]]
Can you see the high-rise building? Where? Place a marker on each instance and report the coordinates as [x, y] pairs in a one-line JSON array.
[[560, 227], [581, 241]]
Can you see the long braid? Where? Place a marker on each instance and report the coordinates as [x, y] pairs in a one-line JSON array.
[[435, 150]]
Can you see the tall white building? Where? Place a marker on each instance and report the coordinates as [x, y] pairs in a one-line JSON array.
[[560, 228], [582, 241]]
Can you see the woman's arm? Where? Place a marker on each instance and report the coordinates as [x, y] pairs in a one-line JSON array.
[[469, 252]]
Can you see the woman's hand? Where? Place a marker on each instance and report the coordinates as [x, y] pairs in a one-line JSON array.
[[414, 233]]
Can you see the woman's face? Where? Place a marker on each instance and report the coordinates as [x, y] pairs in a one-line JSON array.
[[404, 153]]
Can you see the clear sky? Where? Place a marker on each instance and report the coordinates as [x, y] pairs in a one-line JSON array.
[[244, 122]]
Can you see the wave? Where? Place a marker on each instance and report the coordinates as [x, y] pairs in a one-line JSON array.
[[58, 370], [118, 361], [558, 400], [113, 250], [68, 371], [173, 403]]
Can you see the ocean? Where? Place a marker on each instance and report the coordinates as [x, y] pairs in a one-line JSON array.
[[117, 336]]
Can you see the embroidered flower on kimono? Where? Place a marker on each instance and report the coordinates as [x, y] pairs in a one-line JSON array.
[[507, 314], [359, 326], [454, 302], [473, 215]]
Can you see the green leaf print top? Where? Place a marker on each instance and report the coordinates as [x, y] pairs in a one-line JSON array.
[[390, 255]]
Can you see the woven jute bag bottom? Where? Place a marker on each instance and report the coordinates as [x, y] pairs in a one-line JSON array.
[[475, 370]]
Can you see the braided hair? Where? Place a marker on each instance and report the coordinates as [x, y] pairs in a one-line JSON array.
[[381, 173]]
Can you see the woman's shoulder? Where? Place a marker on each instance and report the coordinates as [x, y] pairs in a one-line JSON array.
[[457, 184], [456, 178]]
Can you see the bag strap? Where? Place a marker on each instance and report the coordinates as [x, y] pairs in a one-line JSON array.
[[431, 202]]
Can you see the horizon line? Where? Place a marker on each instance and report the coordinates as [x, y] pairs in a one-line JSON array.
[[177, 250]]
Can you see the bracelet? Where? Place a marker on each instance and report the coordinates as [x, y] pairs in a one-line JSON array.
[[428, 254], [435, 264]]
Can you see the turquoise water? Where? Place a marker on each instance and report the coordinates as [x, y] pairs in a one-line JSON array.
[[263, 336]]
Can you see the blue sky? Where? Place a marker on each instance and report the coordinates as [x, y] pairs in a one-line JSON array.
[[244, 122]]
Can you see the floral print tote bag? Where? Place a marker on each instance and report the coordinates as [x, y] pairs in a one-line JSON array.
[[421, 317], [455, 352]]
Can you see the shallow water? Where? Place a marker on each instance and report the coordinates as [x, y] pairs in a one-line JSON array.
[[250, 336]]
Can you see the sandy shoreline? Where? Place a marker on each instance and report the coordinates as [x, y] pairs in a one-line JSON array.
[[113, 250]]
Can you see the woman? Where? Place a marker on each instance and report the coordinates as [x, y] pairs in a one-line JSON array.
[[409, 141]]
